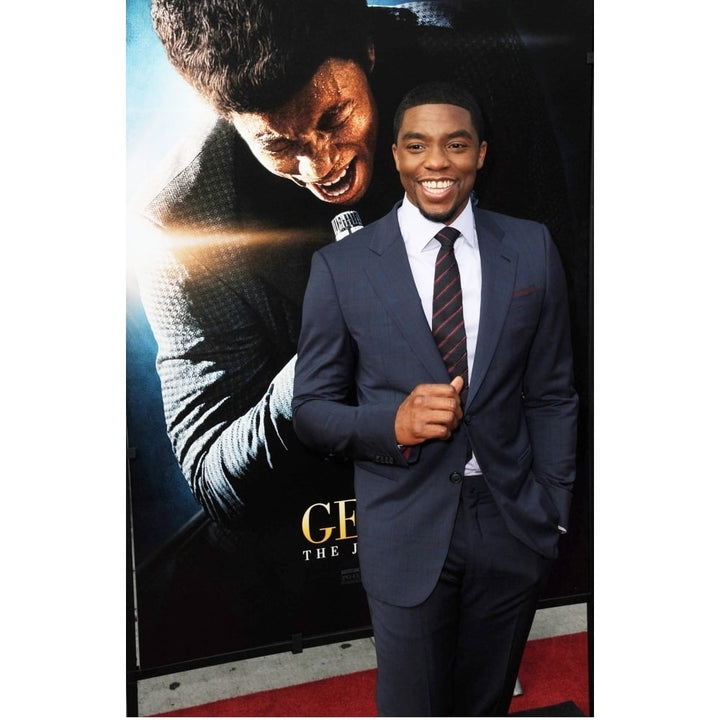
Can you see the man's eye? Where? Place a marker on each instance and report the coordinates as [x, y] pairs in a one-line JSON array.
[[335, 118], [277, 147]]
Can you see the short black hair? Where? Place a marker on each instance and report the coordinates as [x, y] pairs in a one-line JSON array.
[[440, 93], [254, 55]]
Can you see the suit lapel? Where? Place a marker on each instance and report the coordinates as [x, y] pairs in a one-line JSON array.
[[388, 271], [499, 265]]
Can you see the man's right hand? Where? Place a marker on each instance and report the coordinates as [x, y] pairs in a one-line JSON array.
[[430, 412]]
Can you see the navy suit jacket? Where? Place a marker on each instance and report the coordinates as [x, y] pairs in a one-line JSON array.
[[365, 344]]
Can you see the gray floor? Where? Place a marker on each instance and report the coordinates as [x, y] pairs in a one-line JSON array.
[[218, 682]]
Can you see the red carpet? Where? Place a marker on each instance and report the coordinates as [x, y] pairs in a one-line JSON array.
[[553, 670]]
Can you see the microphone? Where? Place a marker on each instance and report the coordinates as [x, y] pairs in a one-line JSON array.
[[345, 223]]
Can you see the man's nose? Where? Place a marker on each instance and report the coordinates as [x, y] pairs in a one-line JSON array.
[[317, 158], [436, 157]]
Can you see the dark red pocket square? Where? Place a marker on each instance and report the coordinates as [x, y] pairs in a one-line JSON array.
[[524, 291]]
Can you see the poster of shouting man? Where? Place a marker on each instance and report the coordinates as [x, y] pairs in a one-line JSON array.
[[243, 538]]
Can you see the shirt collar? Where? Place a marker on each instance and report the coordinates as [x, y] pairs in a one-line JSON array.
[[419, 232]]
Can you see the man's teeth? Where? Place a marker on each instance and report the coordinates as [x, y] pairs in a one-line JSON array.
[[330, 185], [436, 185]]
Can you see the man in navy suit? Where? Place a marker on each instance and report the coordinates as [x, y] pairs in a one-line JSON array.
[[463, 488]]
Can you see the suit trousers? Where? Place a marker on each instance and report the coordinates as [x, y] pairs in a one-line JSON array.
[[458, 652]]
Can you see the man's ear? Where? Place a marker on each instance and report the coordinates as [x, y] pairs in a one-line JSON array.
[[371, 57], [395, 156], [481, 154]]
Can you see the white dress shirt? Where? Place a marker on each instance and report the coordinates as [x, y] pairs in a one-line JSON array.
[[419, 236]]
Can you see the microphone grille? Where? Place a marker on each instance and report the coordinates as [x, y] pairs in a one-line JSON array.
[[345, 223]]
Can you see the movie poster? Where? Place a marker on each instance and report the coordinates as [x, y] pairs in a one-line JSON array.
[[244, 541]]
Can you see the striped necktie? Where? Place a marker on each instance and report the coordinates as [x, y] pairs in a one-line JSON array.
[[448, 326]]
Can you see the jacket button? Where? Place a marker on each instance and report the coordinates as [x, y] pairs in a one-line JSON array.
[[467, 419], [455, 478]]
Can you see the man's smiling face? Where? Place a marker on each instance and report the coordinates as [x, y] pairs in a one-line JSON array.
[[324, 137], [438, 154]]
